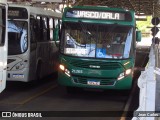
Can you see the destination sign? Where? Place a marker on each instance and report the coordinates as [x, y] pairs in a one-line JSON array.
[[17, 13], [95, 15], [13, 13]]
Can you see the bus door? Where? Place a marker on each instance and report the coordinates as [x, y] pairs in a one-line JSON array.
[[3, 48]]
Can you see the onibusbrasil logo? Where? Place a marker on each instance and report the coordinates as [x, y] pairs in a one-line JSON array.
[[20, 114]]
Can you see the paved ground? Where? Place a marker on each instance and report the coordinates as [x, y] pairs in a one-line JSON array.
[[46, 95]]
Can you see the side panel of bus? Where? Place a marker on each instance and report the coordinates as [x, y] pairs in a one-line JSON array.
[[43, 51], [3, 47]]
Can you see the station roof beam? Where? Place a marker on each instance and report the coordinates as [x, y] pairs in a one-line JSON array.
[[141, 7]]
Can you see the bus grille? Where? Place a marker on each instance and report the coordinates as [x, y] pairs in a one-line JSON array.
[[101, 65], [83, 80]]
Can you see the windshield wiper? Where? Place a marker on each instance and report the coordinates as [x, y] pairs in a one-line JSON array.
[[84, 30], [88, 35]]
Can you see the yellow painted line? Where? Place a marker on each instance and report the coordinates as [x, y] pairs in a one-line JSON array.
[[126, 108], [38, 94], [32, 97]]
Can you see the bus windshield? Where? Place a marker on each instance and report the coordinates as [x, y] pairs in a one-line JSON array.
[[17, 37], [96, 40]]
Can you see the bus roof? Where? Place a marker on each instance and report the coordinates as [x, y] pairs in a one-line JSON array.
[[100, 8], [3, 1], [37, 10]]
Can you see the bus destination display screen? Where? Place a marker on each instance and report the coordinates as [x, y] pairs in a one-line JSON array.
[[17, 13], [103, 15]]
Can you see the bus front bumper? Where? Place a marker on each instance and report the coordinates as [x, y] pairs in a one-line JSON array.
[[19, 75], [85, 82]]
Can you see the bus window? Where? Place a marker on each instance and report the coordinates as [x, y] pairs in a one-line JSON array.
[[33, 28], [48, 29], [51, 27], [55, 22], [40, 28], [44, 23]]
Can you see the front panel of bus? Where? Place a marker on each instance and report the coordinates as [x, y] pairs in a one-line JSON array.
[[97, 53], [3, 45], [18, 55], [32, 53]]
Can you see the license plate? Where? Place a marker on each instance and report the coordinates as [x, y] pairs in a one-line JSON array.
[[93, 82], [20, 76]]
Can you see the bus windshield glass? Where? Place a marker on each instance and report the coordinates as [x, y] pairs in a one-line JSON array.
[[17, 37], [96, 40]]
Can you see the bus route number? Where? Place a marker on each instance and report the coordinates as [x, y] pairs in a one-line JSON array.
[[77, 71]]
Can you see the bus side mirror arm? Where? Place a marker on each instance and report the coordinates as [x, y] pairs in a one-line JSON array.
[[138, 36], [56, 35]]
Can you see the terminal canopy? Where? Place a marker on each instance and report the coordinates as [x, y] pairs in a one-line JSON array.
[[141, 7]]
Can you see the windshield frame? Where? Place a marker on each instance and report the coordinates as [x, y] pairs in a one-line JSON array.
[[131, 49]]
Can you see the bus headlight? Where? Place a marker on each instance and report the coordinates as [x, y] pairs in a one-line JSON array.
[[18, 66], [127, 72], [62, 67], [122, 75], [65, 70]]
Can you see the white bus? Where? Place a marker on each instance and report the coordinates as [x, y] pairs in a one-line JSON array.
[[32, 53], [3, 44]]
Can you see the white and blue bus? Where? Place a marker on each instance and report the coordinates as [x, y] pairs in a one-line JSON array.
[[3, 44], [32, 53]]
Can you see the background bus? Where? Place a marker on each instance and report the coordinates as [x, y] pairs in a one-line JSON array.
[[3, 44], [32, 53], [97, 47]]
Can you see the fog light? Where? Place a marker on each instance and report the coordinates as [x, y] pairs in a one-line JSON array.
[[67, 72], [121, 76]]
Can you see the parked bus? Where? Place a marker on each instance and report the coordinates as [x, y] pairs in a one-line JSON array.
[[32, 53], [3, 44], [97, 47]]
